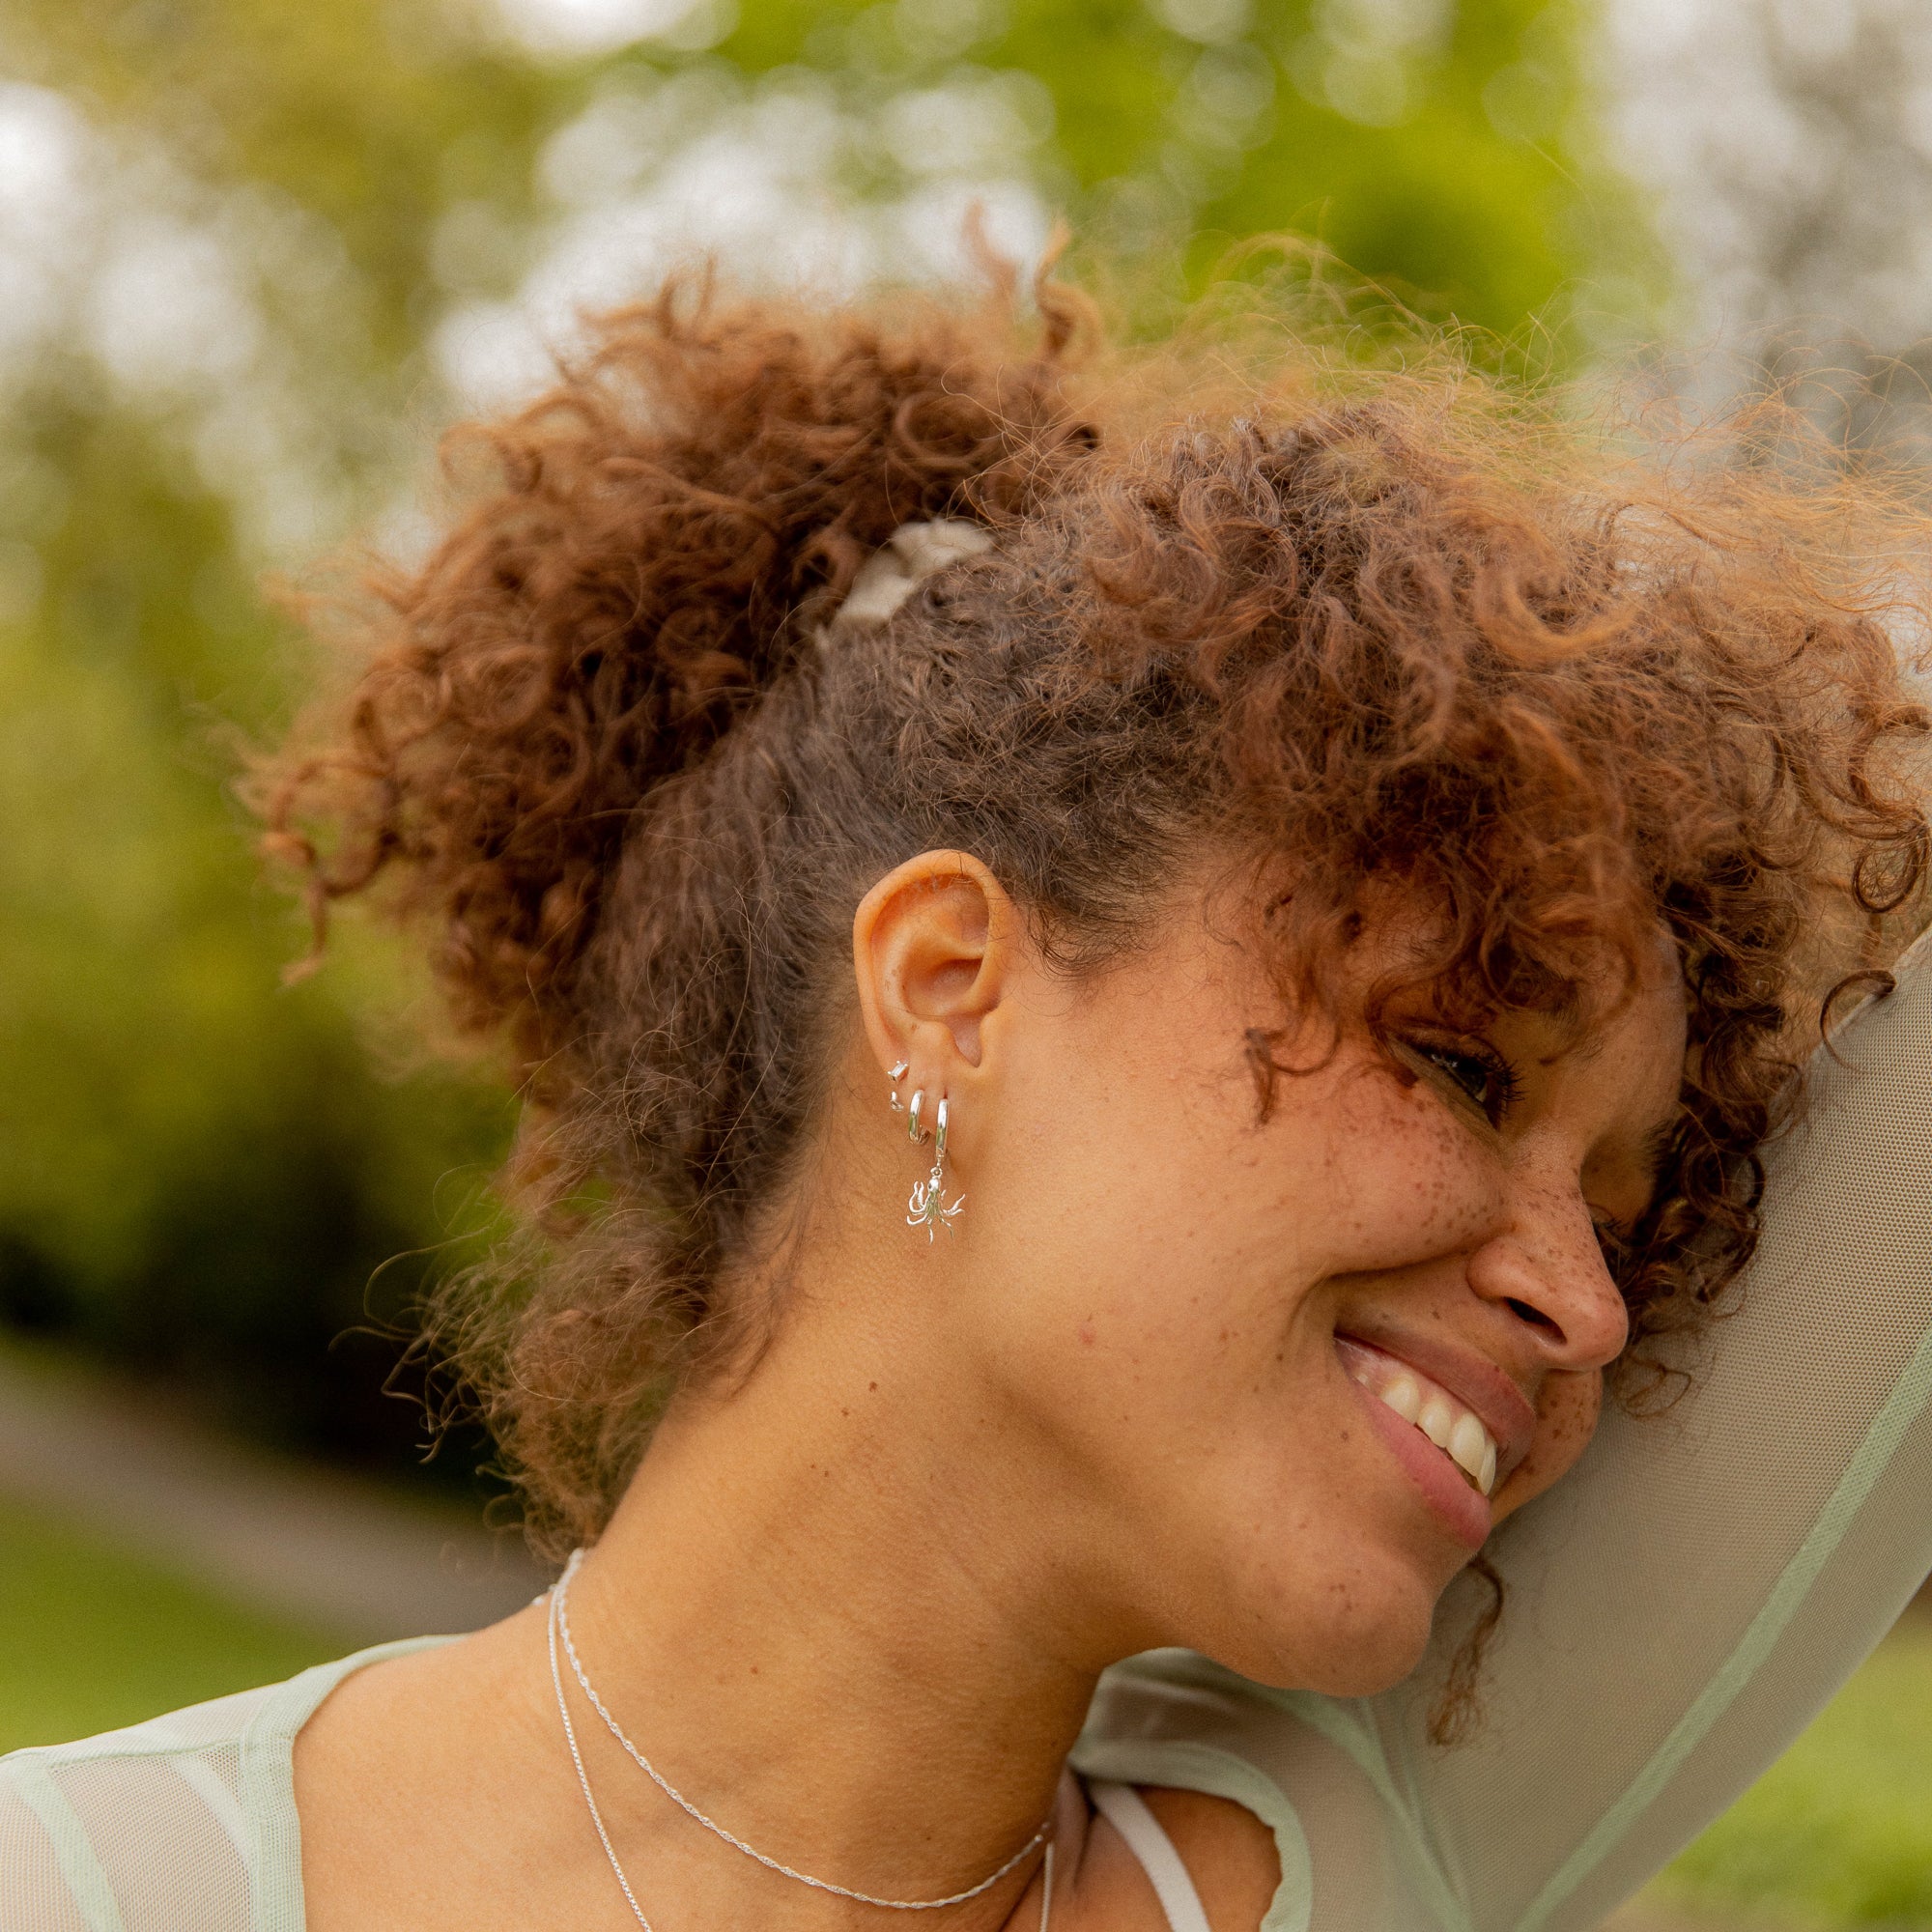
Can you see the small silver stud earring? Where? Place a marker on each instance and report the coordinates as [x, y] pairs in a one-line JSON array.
[[926, 1206], [896, 1075]]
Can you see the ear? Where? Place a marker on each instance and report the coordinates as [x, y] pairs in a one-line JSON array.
[[936, 945]]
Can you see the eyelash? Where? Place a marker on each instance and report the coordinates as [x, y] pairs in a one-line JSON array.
[[1494, 1098], [1493, 1094]]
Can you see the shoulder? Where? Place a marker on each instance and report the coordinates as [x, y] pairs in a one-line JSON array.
[[211, 1730], [189, 1813], [129, 1819], [1228, 1853]]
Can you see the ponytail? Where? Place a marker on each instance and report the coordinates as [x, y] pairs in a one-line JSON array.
[[664, 532]]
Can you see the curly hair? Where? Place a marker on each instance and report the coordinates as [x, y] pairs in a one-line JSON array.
[[1356, 628]]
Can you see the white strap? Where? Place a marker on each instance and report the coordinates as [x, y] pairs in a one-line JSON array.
[[1124, 1808]]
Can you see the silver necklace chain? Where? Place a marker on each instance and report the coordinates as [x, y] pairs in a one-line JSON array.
[[577, 1758], [559, 1625]]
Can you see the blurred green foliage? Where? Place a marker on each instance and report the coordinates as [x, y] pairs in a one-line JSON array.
[[203, 1168], [1839, 1832], [200, 1168], [1438, 149], [95, 1639]]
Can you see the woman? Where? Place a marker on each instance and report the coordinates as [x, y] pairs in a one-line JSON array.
[[1132, 987]]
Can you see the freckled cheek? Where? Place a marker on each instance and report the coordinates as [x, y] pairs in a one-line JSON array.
[[1404, 1182], [1567, 1411]]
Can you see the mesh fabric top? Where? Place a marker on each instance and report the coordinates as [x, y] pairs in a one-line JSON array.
[[183, 1823]]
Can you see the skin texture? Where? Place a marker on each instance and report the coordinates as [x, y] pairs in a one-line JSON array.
[[857, 1596]]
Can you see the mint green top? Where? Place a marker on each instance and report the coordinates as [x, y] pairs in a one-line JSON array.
[[1678, 1609], [186, 1823]]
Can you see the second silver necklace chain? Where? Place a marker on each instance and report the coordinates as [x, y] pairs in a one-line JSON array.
[[560, 1623]]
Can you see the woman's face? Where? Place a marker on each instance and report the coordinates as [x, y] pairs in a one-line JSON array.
[[1288, 1372]]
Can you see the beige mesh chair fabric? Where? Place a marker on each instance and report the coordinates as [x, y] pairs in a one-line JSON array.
[[1678, 1609]]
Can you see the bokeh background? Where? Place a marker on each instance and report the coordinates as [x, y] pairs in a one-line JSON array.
[[253, 256]]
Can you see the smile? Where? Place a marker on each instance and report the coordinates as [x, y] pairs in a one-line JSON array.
[[1457, 1432]]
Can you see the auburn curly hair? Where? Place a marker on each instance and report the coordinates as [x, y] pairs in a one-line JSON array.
[[1358, 628]]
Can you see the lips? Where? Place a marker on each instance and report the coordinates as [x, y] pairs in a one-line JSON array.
[[1453, 1419], [1455, 1429]]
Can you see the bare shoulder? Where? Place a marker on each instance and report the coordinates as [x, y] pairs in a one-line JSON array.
[[422, 1787], [1229, 1854]]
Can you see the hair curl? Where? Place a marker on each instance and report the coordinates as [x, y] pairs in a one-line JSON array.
[[1359, 628]]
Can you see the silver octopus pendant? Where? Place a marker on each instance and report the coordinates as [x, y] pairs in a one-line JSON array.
[[926, 1206]]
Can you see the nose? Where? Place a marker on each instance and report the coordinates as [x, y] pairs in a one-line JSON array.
[[1547, 1269]]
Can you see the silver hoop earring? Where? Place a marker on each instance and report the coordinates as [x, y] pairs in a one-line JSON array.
[[916, 1133], [925, 1207]]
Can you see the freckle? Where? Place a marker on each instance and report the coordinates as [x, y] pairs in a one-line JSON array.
[[872, 1387], [1086, 1332]]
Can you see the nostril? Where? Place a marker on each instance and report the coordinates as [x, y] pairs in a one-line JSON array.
[[1534, 1317]]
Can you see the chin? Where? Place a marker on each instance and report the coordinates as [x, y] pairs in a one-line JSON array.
[[1365, 1645]]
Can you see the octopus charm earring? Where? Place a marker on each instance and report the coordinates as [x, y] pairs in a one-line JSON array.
[[926, 1207]]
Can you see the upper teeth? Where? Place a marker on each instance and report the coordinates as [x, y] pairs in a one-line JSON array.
[[1447, 1424]]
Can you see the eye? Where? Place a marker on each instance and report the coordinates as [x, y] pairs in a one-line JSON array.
[[1481, 1074]]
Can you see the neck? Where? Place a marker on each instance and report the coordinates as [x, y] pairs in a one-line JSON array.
[[833, 1614]]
